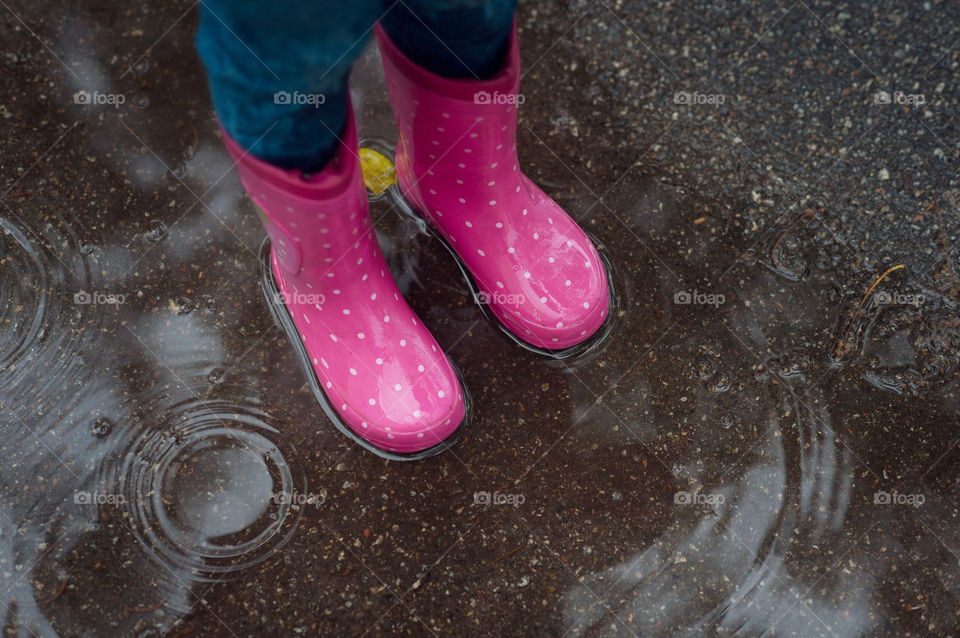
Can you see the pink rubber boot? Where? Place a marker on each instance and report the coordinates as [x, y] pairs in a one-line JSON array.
[[457, 163], [387, 382]]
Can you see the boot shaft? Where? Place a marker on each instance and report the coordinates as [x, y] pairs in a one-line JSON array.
[[308, 217], [460, 128]]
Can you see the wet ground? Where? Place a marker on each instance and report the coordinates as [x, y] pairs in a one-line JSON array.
[[765, 445]]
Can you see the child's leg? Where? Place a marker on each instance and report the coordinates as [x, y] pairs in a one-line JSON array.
[[386, 381], [278, 73], [452, 38]]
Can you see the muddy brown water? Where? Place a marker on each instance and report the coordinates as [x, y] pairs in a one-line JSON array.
[[765, 444]]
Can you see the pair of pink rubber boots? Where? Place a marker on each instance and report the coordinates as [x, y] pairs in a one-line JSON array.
[[388, 383]]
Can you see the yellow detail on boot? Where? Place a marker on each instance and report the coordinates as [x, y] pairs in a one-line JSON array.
[[378, 171]]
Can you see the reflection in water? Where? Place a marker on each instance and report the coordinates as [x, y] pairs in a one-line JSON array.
[[126, 432], [45, 283], [140, 460], [203, 489], [48, 331], [123, 435], [733, 562], [241, 491]]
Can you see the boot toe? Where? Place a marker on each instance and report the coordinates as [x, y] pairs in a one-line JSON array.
[[563, 316], [402, 393], [415, 410]]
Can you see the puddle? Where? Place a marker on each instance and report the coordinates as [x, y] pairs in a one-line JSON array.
[[207, 492], [764, 443], [760, 479], [780, 503], [44, 264]]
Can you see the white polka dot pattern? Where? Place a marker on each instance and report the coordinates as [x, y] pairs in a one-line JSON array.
[[379, 366], [541, 274]]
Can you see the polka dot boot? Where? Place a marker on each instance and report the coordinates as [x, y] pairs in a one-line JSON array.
[[380, 369], [457, 163]]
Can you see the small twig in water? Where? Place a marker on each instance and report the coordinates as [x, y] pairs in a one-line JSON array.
[[847, 341], [877, 282], [143, 610], [507, 555], [56, 594]]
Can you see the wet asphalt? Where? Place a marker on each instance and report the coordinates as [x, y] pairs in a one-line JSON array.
[[766, 444]]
